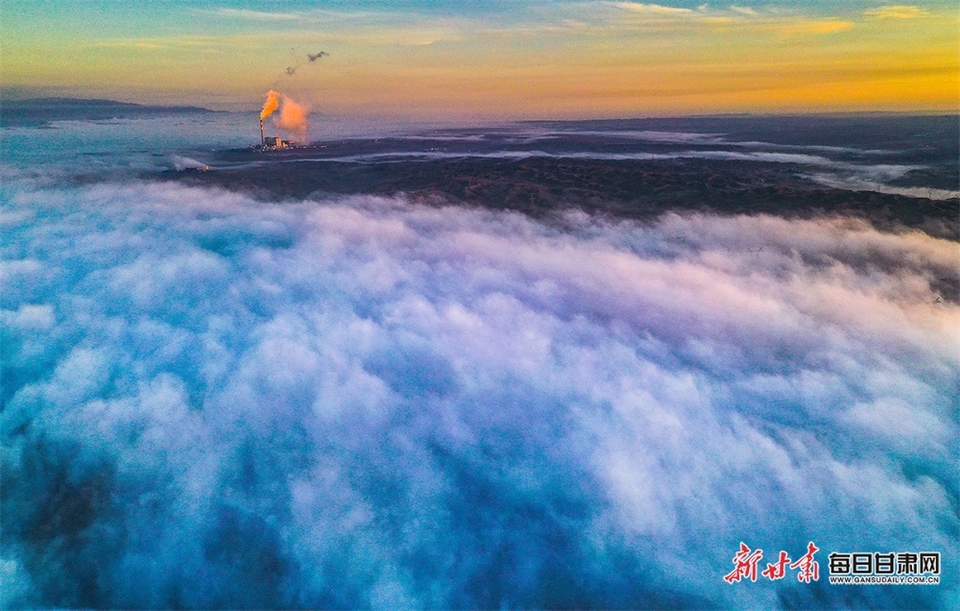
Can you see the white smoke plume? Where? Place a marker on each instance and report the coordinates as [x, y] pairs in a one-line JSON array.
[[213, 402], [181, 163], [292, 118]]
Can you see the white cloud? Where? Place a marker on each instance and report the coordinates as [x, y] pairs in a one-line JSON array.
[[896, 11], [361, 401], [653, 9], [747, 20], [744, 10], [253, 15]]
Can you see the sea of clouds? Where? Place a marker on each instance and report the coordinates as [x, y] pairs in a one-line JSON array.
[[211, 401]]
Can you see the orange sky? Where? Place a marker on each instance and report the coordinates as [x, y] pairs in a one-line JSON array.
[[531, 60]]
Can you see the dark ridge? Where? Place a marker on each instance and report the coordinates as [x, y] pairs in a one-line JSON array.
[[884, 130], [541, 187], [636, 168], [36, 112]]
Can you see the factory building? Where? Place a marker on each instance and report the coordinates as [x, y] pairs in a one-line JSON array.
[[273, 142]]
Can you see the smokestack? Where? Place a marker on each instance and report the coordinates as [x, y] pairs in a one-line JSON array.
[[262, 140], [293, 116]]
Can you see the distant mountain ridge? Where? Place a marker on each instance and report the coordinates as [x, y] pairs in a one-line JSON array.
[[35, 112]]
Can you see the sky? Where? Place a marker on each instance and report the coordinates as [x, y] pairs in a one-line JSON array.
[[490, 58]]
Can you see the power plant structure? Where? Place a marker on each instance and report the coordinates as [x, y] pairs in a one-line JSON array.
[[272, 142]]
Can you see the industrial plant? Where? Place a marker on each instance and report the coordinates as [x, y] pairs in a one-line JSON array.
[[272, 142]]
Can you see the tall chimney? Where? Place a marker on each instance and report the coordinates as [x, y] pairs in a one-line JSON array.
[[262, 139]]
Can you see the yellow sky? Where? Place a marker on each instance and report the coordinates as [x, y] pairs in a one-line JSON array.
[[580, 60]]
